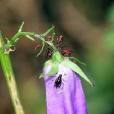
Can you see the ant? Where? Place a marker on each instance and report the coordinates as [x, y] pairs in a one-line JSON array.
[[58, 81]]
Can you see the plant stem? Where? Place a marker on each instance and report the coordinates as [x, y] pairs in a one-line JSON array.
[[48, 31], [42, 37], [10, 79], [20, 34], [16, 37]]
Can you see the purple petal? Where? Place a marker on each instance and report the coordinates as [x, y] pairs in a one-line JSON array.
[[69, 98]]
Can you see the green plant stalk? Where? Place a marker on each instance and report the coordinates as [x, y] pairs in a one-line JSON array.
[[48, 31], [16, 37], [10, 79], [20, 34]]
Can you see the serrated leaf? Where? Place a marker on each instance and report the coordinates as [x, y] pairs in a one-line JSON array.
[[76, 69]]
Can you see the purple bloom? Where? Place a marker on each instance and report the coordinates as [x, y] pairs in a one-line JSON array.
[[68, 97]]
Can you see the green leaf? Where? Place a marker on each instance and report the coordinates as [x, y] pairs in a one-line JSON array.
[[76, 69]]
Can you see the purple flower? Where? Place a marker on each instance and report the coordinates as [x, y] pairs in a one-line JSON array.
[[66, 96]]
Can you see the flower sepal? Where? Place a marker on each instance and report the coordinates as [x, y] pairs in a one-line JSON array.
[[53, 66], [68, 63], [57, 57]]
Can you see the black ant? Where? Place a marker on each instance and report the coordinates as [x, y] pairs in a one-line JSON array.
[[58, 81]]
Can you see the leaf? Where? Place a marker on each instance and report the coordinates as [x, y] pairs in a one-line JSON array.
[[76, 69]]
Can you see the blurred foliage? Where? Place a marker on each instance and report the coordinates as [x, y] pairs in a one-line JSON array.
[[87, 27]]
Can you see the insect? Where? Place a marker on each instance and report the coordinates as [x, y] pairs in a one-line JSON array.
[[58, 81]]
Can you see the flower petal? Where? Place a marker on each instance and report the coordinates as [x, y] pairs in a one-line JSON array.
[[69, 98]]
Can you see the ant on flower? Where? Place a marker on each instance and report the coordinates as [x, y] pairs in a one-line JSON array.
[[58, 81]]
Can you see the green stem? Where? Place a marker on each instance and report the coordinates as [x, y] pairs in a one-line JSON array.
[[42, 38], [10, 79], [19, 35], [16, 37], [10, 43], [48, 31], [49, 43]]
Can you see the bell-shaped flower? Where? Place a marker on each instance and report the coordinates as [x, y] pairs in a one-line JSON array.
[[64, 92]]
